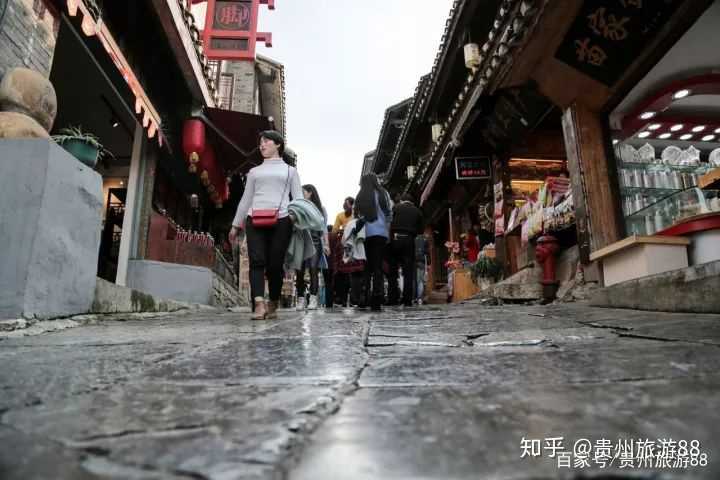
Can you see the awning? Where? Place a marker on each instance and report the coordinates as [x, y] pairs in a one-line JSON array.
[[235, 137]]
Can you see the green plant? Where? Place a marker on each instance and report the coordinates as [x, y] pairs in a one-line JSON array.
[[76, 133], [485, 267]]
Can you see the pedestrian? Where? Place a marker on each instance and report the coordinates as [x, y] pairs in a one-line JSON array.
[[374, 208], [422, 260], [345, 216], [263, 214], [407, 223], [472, 246], [319, 261]]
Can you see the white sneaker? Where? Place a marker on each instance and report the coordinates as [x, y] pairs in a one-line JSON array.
[[420, 302], [312, 305], [300, 304]]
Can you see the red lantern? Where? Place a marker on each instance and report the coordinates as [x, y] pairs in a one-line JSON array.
[[193, 142]]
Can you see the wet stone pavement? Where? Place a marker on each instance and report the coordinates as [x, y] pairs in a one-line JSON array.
[[437, 392]]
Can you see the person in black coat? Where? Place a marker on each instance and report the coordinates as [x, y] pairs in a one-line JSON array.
[[407, 223]]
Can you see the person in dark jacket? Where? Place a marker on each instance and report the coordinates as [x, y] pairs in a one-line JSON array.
[[407, 223]]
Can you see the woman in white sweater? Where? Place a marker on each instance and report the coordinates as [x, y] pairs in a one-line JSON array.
[[268, 187]]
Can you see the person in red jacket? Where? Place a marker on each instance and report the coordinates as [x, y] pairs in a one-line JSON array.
[[472, 246]]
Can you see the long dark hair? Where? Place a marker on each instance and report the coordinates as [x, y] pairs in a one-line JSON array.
[[365, 199], [314, 197]]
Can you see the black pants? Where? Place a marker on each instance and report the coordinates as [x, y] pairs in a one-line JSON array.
[[401, 254], [374, 281], [314, 281], [266, 249]]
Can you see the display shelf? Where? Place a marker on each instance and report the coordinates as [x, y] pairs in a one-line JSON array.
[[672, 209], [659, 166], [648, 191]]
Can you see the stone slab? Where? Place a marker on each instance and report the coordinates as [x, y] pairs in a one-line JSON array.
[[693, 289], [113, 298], [50, 212], [184, 283]]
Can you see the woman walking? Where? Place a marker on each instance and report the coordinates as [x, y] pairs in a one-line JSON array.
[[374, 209], [263, 214], [319, 261]]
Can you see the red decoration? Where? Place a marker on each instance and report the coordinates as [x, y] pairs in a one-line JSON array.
[[194, 142], [231, 29]]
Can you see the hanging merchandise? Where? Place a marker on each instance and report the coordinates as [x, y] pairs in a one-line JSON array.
[[194, 142]]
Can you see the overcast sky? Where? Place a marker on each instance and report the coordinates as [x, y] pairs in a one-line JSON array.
[[345, 62]]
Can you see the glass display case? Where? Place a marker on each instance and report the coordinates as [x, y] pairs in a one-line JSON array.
[[645, 177], [672, 209]]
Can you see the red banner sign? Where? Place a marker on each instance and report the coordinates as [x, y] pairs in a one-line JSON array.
[[231, 29]]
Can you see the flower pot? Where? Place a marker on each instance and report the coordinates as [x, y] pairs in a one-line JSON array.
[[83, 151]]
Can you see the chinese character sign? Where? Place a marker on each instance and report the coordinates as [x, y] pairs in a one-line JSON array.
[[233, 15], [231, 32], [472, 168], [606, 37]]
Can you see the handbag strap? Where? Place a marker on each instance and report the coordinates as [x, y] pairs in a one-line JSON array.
[[287, 182]]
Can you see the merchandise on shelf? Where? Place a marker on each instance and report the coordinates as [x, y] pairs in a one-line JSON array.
[[673, 209]]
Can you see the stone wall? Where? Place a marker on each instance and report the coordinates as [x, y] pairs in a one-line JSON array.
[[28, 33], [50, 218]]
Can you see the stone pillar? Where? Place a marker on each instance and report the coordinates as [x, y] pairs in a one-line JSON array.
[[131, 221], [594, 186], [50, 217]]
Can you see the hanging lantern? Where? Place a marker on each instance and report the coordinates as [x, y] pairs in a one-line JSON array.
[[437, 130], [472, 56], [193, 142]]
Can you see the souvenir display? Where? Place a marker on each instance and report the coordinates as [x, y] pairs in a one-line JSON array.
[[671, 155], [628, 154], [715, 157], [646, 153]]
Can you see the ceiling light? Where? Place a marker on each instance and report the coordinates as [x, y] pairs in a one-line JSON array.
[[665, 136], [687, 136], [707, 138], [699, 128], [122, 183], [116, 124], [681, 94], [677, 127], [654, 126], [644, 134], [647, 115]]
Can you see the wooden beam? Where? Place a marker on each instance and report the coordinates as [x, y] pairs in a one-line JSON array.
[[594, 183]]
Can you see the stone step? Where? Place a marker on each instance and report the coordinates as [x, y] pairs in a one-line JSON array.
[[693, 289]]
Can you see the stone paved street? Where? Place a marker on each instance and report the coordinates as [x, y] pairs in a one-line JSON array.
[[430, 393]]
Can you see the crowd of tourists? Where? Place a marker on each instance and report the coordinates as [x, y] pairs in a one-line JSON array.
[[375, 253]]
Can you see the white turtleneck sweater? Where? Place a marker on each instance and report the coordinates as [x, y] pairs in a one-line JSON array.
[[264, 189]]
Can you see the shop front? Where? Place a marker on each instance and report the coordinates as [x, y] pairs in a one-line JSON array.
[[666, 150]]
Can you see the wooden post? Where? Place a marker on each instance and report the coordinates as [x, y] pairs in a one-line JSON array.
[[593, 180]]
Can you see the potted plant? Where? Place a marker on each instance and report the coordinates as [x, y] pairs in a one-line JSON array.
[[84, 146], [485, 271]]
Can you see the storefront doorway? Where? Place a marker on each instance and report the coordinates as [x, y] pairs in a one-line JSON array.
[[89, 100]]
